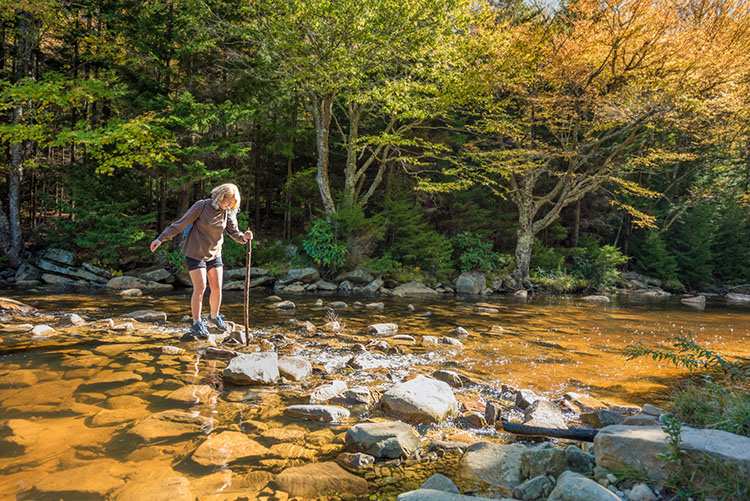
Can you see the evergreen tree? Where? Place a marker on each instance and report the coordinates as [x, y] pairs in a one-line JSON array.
[[691, 242], [652, 257], [731, 247]]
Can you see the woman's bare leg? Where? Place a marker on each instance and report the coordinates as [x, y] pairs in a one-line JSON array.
[[215, 282], [198, 278]]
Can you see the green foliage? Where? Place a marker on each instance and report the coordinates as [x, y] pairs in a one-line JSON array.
[[323, 247], [232, 253], [731, 246], [546, 259], [411, 241], [711, 405], [268, 252], [475, 253], [598, 264], [106, 232], [692, 242], [559, 282], [384, 265], [652, 257]]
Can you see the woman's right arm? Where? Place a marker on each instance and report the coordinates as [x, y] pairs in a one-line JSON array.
[[188, 218]]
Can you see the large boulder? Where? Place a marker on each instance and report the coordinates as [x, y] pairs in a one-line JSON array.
[[384, 440], [305, 275], [320, 479], [422, 399], [69, 271], [413, 289], [639, 447], [27, 272], [358, 276], [59, 256], [573, 486], [498, 465], [157, 275], [253, 368], [471, 282]]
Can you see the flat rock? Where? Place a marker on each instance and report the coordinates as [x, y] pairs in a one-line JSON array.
[[422, 399], [148, 316], [355, 460], [156, 488], [413, 289], [325, 413], [169, 424], [543, 460], [639, 447], [97, 479], [295, 368], [494, 464], [253, 368], [596, 299], [320, 479], [734, 297], [193, 394], [580, 402], [573, 486], [114, 417], [383, 440], [358, 276], [326, 392], [125, 282], [385, 329], [694, 301], [305, 275], [226, 447]]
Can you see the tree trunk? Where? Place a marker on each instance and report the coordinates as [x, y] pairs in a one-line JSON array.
[[288, 210], [525, 239], [23, 68], [322, 113], [577, 224]]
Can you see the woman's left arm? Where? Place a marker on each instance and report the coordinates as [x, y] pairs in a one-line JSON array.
[[233, 230]]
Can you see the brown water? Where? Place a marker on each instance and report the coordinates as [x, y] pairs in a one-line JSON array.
[[80, 410]]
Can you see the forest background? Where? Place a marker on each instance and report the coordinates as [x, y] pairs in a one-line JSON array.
[[416, 138]]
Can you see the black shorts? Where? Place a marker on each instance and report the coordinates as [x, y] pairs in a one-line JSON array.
[[194, 264]]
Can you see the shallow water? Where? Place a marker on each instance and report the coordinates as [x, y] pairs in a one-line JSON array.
[[73, 406]]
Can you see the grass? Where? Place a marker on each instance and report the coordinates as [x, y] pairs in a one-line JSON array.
[[711, 405]]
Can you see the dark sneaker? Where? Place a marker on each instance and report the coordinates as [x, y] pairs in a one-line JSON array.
[[219, 322], [199, 330]]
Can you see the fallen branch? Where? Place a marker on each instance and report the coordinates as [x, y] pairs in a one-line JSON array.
[[581, 434]]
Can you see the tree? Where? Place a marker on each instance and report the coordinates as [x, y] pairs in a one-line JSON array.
[[367, 70], [572, 101]]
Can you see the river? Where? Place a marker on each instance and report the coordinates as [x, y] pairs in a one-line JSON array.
[[69, 403]]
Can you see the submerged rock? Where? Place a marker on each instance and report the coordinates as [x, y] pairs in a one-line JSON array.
[[193, 394], [421, 399], [319, 479], [228, 446], [326, 413], [383, 440], [169, 424], [253, 368]]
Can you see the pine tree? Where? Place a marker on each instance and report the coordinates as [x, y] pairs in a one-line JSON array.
[[691, 241]]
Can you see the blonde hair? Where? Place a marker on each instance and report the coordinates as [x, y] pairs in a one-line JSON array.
[[223, 191]]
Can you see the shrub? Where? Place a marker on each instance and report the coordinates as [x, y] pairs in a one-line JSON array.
[[323, 247], [384, 265], [359, 233], [546, 259], [474, 253], [711, 405], [652, 257], [598, 265], [558, 281]]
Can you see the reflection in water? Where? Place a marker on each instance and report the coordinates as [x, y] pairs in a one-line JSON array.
[[97, 412]]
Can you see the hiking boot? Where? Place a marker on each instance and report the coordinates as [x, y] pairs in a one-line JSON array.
[[219, 322], [199, 330]]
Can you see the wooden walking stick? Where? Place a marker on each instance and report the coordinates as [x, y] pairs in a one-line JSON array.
[[247, 290]]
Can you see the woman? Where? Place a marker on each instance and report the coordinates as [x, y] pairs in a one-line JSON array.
[[202, 248]]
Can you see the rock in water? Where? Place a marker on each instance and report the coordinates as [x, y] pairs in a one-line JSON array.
[[159, 488], [284, 305], [639, 447], [43, 331], [544, 414], [225, 447], [320, 479], [305, 275], [325, 413], [193, 394], [495, 464], [383, 329], [148, 316], [253, 368], [413, 289], [596, 299], [573, 486], [326, 392], [436, 495], [384, 440], [355, 461], [422, 399], [295, 368]]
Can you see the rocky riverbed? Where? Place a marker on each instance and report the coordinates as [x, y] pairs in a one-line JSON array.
[[349, 401]]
